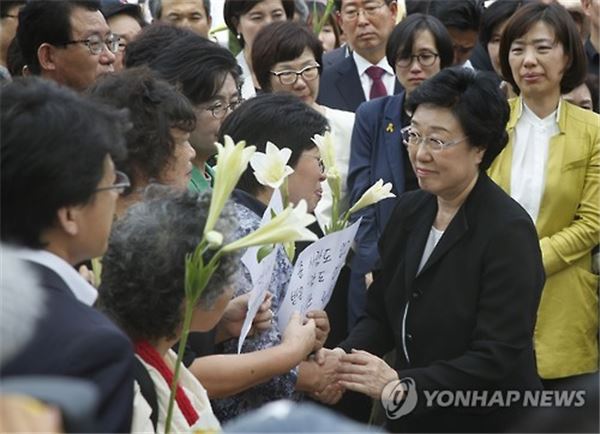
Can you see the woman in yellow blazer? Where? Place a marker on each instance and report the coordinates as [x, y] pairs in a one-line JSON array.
[[551, 167]]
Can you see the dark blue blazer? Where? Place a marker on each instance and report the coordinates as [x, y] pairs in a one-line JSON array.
[[340, 88], [76, 340], [375, 153], [335, 56]]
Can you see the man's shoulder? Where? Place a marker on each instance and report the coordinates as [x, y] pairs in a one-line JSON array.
[[344, 65], [335, 56]]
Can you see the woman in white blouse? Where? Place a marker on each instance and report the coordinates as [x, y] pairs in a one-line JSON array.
[[551, 166], [287, 57], [245, 18]]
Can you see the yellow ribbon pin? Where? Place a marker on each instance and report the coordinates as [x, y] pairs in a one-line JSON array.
[[390, 128]]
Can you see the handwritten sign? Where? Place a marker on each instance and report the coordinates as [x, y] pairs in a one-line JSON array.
[[260, 272], [315, 273]]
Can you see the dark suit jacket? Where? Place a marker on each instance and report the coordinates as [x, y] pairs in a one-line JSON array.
[[76, 340], [335, 56], [375, 154], [470, 312], [340, 88]]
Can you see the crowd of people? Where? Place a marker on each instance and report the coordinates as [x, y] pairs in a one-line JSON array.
[[480, 278]]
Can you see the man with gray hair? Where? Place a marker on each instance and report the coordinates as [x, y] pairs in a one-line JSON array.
[[191, 14]]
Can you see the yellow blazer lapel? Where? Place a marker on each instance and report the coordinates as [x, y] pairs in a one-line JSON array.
[[554, 168]]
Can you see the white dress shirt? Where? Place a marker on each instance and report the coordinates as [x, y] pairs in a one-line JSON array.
[[248, 90], [530, 157], [389, 79], [83, 291]]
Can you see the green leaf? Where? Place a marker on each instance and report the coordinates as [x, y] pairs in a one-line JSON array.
[[264, 251]]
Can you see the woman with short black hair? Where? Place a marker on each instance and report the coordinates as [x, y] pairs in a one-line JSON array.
[[418, 48], [451, 298], [287, 57], [288, 123]]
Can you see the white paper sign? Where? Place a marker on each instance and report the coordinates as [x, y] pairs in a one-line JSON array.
[[260, 272], [315, 274], [260, 285]]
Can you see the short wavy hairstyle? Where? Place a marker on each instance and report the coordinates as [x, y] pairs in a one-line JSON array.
[[282, 41], [465, 92], [143, 270], [558, 19], [154, 108]]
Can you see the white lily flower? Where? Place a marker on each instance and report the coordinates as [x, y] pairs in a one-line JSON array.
[[288, 225], [232, 160], [271, 168], [214, 239], [327, 150], [374, 194]]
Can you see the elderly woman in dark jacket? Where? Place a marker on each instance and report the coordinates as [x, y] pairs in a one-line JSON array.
[[461, 274]]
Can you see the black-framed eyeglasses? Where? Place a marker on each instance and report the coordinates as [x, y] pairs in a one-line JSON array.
[[289, 77], [96, 43], [413, 139], [219, 111], [121, 183], [370, 10], [425, 59]]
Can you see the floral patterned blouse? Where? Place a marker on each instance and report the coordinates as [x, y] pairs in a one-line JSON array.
[[249, 213]]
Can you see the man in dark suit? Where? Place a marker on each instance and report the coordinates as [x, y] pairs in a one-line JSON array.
[[336, 56], [592, 44], [365, 73], [57, 206]]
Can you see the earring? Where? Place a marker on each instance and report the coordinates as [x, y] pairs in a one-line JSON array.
[[239, 36]]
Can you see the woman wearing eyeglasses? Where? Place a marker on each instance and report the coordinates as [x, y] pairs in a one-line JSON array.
[[418, 48], [289, 123], [551, 167], [461, 274], [245, 18], [287, 57]]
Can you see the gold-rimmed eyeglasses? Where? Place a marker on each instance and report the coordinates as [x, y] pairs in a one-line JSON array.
[[413, 139]]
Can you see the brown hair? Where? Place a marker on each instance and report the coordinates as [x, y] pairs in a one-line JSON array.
[[281, 42], [557, 18]]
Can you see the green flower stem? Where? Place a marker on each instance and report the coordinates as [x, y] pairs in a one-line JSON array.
[[323, 20], [187, 320], [194, 289], [285, 196]]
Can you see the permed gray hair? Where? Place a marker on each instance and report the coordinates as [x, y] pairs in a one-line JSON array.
[[143, 270]]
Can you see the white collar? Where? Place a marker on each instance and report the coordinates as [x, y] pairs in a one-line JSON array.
[[528, 115], [83, 291], [362, 64]]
